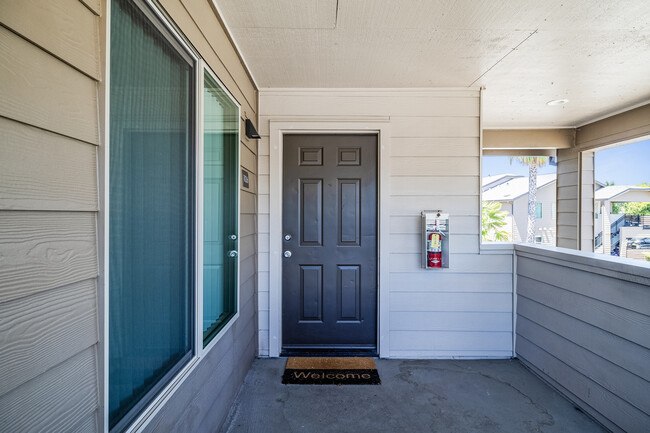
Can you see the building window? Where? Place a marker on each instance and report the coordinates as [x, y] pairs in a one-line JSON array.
[[151, 217], [165, 192], [538, 239], [220, 206], [538, 211]]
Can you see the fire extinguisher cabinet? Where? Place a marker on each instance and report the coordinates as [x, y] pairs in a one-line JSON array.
[[435, 239]]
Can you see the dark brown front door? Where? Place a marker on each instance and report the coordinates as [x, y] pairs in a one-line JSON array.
[[329, 273]]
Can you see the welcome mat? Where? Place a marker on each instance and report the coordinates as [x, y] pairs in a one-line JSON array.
[[331, 371]]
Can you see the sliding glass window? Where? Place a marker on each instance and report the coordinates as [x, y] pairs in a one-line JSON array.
[[220, 207], [151, 216]]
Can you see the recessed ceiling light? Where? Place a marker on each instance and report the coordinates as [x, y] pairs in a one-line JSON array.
[[557, 102]]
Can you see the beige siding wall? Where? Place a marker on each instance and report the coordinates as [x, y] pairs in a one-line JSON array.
[[51, 365], [587, 182], [575, 199], [465, 310], [49, 134], [568, 185]]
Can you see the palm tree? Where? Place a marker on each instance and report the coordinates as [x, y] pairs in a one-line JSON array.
[[492, 220], [532, 162]]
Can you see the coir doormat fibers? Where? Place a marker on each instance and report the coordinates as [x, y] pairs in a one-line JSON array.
[[331, 371]]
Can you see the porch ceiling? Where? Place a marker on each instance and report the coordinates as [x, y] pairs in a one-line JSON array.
[[526, 53]]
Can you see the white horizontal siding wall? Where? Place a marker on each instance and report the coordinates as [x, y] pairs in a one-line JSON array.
[[463, 311]]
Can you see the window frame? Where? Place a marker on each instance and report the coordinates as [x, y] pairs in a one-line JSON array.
[[203, 350], [166, 26]]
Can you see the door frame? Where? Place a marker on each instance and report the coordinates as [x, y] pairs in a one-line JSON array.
[[318, 125]]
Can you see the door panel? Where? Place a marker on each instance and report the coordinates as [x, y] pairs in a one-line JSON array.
[[349, 211], [311, 212], [330, 215], [349, 293], [311, 293]]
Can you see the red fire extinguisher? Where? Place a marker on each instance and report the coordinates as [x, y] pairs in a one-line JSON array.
[[434, 250]]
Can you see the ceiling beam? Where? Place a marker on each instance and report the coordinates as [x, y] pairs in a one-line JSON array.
[[624, 127], [519, 152], [528, 139]]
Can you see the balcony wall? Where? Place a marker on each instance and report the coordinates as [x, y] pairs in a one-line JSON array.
[[583, 325]]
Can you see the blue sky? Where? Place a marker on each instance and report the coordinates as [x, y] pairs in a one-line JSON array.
[[623, 165], [493, 165]]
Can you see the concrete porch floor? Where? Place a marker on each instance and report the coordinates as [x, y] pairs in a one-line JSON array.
[[415, 396]]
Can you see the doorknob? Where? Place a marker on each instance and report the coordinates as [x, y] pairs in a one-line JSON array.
[[287, 253], [232, 253]]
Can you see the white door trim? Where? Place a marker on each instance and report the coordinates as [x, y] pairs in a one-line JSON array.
[[329, 125]]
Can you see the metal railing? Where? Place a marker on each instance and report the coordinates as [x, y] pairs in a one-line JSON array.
[[623, 221], [632, 220], [616, 225], [615, 229]]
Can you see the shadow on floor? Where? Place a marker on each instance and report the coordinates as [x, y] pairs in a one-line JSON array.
[[415, 396]]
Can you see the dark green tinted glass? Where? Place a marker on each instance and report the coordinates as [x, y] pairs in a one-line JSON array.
[[151, 217]]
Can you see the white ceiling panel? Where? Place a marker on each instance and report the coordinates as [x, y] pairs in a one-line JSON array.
[[355, 58], [280, 14], [493, 14], [526, 53], [598, 72]]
